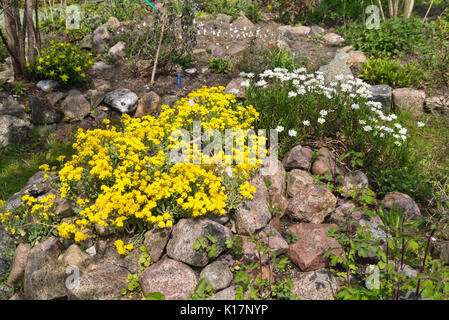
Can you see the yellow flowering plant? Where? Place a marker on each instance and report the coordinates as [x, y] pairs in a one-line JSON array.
[[62, 62], [36, 219], [121, 176]]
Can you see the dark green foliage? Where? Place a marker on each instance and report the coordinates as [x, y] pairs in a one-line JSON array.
[[392, 72], [395, 37], [405, 180], [218, 65]]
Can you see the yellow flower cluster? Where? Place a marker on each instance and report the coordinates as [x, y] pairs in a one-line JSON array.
[[247, 190], [66, 230], [4, 214], [120, 174], [36, 211], [41, 207], [122, 248], [63, 62]]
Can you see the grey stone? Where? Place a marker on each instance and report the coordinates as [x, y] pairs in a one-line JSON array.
[[74, 256], [295, 33], [91, 251], [44, 275], [273, 173], [7, 75], [12, 130], [47, 85], [185, 234], [122, 100], [174, 279], [5, 245], [242, 23], [312, 204], [237, 48], [444, 251], [19, 264], [149, 103], [14, 202], [274, 240], [95, 97], [13, 108], [223, 219], [409, 271], [55, 97], [333, 39], [297, 181], [75, 106], [216, 51], [315, 285], [410, 100], [36, 185], [112, 22], [235, 85], [336, 67], [437, 104], [354, 181], [168, 100], [101, 66], [373, 227], [225, 294], [298, 158], [155, 240], [86, 42], [101, 36], [347, 210], [224, 18], [382, 93], [316, 31], [117, 51], [190, 71], [41, 111], [253, 215], [217, 275], [103, 282], [402, 201], [326, 164]]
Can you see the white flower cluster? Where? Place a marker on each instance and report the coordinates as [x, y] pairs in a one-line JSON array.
[[234, 32], [353, 91]]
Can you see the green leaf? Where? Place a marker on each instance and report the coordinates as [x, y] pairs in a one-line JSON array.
[[154, 296], [201, 287]]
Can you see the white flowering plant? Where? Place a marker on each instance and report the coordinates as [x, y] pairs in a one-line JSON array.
[[342, 110]]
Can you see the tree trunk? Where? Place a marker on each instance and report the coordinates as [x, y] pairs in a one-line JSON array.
[[408, 8], [390, 8], [11, 15], [29, 27], [17, 30]]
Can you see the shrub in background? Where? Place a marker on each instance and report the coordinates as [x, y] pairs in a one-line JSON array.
[[392, 72], [250, 8], [395, 37]]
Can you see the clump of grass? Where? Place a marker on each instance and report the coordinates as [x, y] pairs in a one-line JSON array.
[[18, 162]]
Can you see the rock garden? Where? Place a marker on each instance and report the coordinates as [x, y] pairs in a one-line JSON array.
[[224, 150]]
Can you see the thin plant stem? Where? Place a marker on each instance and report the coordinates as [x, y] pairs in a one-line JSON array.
[[428, 10], [423, 263]]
